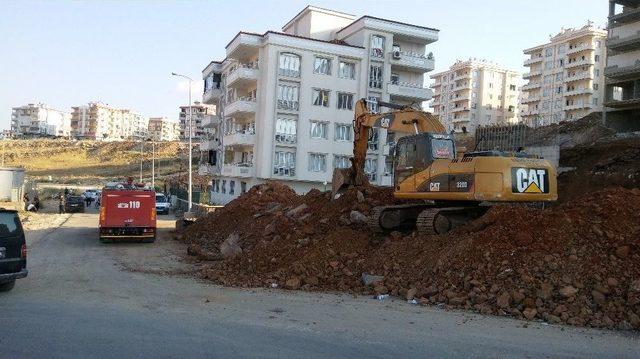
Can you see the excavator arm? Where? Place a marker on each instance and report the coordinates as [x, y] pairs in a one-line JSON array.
[[403, 119]]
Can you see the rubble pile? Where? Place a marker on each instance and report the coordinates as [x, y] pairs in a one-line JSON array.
[[576, 263]]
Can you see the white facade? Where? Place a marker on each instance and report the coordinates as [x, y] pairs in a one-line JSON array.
[[161, 129], [475, 93], [566, 76], [198, 113], [623, 57], [285, 99], [98, 121], [39, 120]]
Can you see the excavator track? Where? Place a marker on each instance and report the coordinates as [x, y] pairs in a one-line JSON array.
[[373, 220], [424, 222], [434, 221]]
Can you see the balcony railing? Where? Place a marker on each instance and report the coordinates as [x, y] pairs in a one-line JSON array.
[[581, 47], [580, 91], [286, 138], [531, 74], [411, 61], [587, 61], [531, 99], [583, 75], [534, 60], [409, 91], [240, 169], [241, 105], [531, 86]]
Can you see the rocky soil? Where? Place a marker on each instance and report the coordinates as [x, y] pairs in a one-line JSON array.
[[577, 263]]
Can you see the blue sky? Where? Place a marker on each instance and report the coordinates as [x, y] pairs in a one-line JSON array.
[[67, 53]]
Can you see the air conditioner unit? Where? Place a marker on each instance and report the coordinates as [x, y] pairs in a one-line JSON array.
[[396, 55]]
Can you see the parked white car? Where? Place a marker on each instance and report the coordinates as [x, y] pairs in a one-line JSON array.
[[162, 204]]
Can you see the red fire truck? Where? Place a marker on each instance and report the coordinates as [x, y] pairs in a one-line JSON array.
[[127, 211]]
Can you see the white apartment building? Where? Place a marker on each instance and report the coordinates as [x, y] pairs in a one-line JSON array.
[[623, 58], [566, 76], [39, 120], [97, 121], [161, 129], [475, 93], [285, 99], [199, 112]]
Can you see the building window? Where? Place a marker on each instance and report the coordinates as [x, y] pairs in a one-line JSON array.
[[597, 72], [512, 87], [289, 65], [548, 65], [597, 58], [372, 141], [286, 130], [284, 163], [375, 76], [343, 132], [341, 161], [488, 117], [372, 104], [371, 168], [224, 186], [377, 46], [232, 187], [347, 70], [345, 101], [319, 130], [322, 65], [595, 86], [317, 162], [288, 97], [595, 101], [548, 52], [321, 97], [243, 187], [395, 78], [559, 76]]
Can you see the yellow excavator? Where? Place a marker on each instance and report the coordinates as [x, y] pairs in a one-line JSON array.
[[443, 188]]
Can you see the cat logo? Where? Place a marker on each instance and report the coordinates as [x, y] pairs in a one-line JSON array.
[[386, 121], [434, 186], [529, 180]]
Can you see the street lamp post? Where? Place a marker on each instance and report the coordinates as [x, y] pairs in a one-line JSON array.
[[153, 164], [141, 157], [190, 141]]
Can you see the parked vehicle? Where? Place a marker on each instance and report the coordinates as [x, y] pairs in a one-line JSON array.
[[127, 212], [91, 193], [74, 204], [162, 204], [13, 250]]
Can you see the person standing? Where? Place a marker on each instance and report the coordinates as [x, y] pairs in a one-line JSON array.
[[25, 199], [61, 200]]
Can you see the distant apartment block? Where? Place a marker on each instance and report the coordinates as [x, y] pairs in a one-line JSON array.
[[285, 100], [98, 121], [566, 76], [39, 120], [161, 129], [199, 112], [623, 58], [475, 93]]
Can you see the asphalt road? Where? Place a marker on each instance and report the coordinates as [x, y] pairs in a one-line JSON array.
[[84, 299]]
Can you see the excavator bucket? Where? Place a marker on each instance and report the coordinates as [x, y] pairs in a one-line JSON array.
[[342, 179]]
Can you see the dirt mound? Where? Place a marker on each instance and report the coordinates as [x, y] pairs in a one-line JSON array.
[[599, 165], [577, 263]]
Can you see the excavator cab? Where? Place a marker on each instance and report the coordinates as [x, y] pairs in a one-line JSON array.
[[415, 153]]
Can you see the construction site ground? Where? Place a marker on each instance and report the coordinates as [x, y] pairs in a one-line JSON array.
[[575, 262], [131, 300]]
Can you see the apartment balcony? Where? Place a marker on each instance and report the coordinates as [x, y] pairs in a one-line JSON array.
[[627, 16], [460, 109], [244, 46], [464, 97], [210, 121], [243, 75], [411, 62], [435, 85], [466, 75], [243, 170], [531, 99], [532, 74], [580, 48], [625, 44], [211, 96], [576, 106], [532, 61], [409, 91], [577, 92], [242, 106], [531, 112], [622, 72], [584, 75], [206, 169], [462, 87], [585, 62], [460, 119], [386, 180], [531, 86], [209, 144], [240, 138]]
